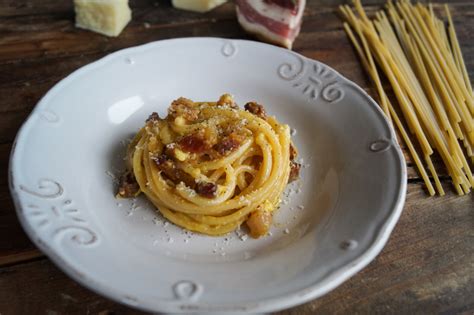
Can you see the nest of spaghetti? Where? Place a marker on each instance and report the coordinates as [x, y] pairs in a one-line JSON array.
[[209, 167]]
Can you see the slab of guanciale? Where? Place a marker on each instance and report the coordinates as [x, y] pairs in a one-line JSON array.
[[428, 264]]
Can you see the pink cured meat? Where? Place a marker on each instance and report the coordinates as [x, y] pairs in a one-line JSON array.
[[275, 21]]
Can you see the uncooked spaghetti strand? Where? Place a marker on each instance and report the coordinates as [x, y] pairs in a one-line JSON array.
[[375, 77], [457, 48]]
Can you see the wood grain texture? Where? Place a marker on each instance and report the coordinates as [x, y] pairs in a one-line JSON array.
[[428, 264]]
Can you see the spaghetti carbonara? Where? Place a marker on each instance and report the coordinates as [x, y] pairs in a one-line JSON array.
[[211, 166]]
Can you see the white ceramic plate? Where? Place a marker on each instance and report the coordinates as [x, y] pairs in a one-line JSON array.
[[338, 218]]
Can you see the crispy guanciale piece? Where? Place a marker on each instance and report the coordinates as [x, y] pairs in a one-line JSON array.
[[206, 189], [128, 186], [194, 143], [228, 100], [170, 171], [229, 143], [293, 152], [294, 171], [259, 223], [185, 108], [256, 109], [154, 117]]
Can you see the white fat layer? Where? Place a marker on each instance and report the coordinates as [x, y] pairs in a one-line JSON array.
[[263, 31], [278, 13]]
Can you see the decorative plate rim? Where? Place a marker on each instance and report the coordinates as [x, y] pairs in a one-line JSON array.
[[327, 283]]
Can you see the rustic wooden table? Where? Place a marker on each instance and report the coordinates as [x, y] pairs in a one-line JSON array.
[[428, 264]]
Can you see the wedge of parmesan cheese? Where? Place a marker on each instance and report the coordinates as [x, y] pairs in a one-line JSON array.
[[107, 17], [197, 5]]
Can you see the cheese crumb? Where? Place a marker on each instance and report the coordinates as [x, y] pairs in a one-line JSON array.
[[243, 237]]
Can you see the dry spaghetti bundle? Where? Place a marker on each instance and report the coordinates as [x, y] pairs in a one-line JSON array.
[[422, 60]]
